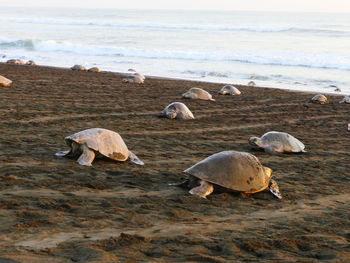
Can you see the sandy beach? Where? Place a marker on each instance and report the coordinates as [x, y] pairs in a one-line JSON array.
[[53, 210]]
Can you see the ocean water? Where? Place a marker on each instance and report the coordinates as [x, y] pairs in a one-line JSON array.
[[299, 51]]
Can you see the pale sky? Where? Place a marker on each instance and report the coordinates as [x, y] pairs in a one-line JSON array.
[[250, 5]]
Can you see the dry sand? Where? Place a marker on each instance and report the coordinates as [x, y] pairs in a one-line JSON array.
[[53, 210]]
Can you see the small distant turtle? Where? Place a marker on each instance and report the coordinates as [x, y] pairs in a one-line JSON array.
[[98, 142], [251, 84], [229, 90], [197, 93], [345, 100], [94, 69], [230, 171], [15, 61], [133, 79], [78, 68], [31, 63], [337, 89], [319, 98], [277, 142], [132, 70], [4, 82], [177, 110]]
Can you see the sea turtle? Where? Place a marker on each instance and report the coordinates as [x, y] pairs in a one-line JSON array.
[[177, 110], [229, 90], [15, 61], [132, 70], [31, 63], [346, 99], [277, 142], [319, 98], [230, 171], [98, 142], [337, 89], [133, 79], [197, 93], [251, 84], [4, 82], [94, 69], [78, 68]]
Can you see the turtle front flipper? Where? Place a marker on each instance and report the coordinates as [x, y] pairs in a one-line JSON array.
[[203, 189], [87, 156], [63, 153], [135, 159], [274, 189]]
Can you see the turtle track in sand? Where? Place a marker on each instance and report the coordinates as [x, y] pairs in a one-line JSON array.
[[120, 212]]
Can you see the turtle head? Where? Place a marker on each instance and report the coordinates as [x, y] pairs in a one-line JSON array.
[[186, 95], [255, 141], [273, 186], [274, 189], [171, 113]]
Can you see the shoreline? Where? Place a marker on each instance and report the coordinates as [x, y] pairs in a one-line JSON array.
[[334, 93], [54, 210]]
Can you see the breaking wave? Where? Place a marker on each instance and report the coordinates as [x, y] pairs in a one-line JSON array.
[[280, 58]]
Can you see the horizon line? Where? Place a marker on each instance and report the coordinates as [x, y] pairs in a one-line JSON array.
[[180, 9]]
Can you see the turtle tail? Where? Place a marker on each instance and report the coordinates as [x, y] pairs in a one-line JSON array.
[[135, 159]]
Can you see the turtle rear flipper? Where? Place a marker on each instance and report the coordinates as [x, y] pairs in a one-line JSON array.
[[135, 159]]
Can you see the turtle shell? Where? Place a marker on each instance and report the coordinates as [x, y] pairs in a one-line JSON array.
[[4, 81], [94, 69], [229, 90], [319, 98], [289, 143], [139, 75], [197, 93], [238, 171], [108, 143], [78, 68], [181, 110]]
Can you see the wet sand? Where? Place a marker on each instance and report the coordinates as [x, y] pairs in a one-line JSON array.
[[53, 210]]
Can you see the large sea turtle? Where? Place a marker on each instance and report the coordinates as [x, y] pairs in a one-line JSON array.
[[230, 171], [345, 99], [134, 79], [277, 142], [229, 90], [197, 93], [4, 82], [319, 98], [78, 68], [94, 69], [177, 110], [31, 63], [97, 141], [15, 61]]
